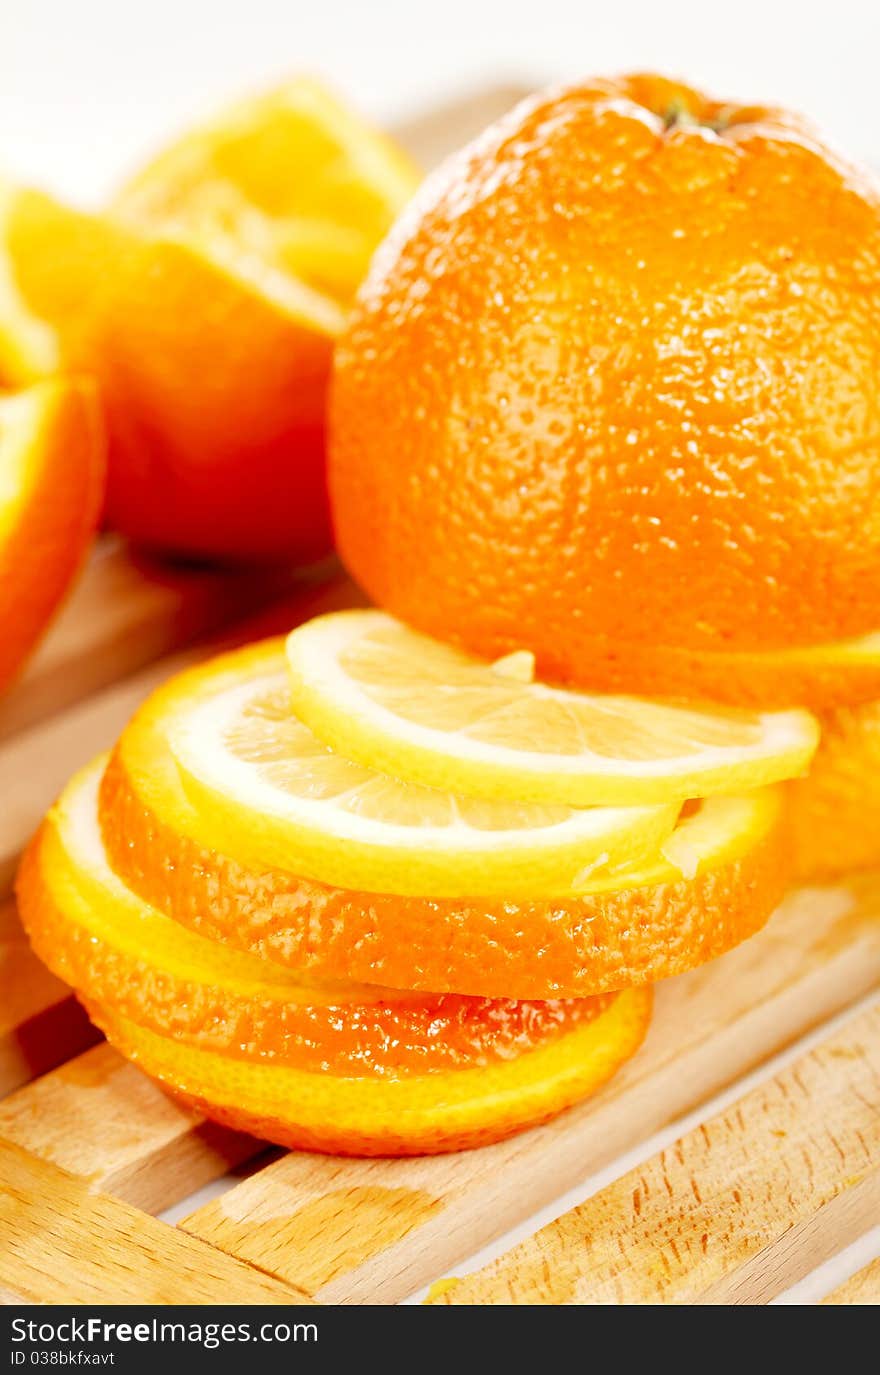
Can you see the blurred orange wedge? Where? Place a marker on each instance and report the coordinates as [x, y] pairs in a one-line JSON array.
[[51, 479], [291, 175], [210, 333]]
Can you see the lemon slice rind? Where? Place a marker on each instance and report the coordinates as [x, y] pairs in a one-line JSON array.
[[342, 713]]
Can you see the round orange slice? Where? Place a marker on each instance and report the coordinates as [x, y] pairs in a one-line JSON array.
[[419, 1115], [51, 485], [834, 813], [352, 1070], [387, 696], [724, 875], [112, 947], [267, 791]]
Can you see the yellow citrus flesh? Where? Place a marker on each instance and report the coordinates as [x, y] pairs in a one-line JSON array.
[[270, 793], [292, 176], [401, 702], [113, 947], [644, 922], [419, 1115]]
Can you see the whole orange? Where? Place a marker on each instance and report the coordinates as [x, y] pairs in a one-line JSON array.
[[614, 379]]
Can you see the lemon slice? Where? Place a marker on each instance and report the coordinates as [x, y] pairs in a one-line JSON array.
[[424, 711], [91, 895], [271, 793]]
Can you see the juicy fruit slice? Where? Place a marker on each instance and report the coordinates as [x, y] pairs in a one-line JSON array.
[[819, 677], [109, 945], [634, 926], [413, 707], [413, 1116], [51, 485], [270, 793], [292, 174], [834, 813]]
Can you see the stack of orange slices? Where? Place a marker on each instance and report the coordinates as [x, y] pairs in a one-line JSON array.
[[363, 892]]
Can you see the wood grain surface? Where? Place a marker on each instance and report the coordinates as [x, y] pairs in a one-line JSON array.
[[63, 1243], [41, 1024], [124, 612], [103, 1120], [374, 1231], [734, 1212]]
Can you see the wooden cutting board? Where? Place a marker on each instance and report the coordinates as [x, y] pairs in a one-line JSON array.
[[740, 1207]]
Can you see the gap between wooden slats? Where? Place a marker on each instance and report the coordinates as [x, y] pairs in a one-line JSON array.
[[734, 1212]]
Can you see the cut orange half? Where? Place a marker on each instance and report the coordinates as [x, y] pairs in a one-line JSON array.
[[292, 174], [634, 926], [406, 704], [98, 936], [51, 485], [212, 365]]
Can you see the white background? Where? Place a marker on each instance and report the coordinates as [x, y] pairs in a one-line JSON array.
[[87, 86]]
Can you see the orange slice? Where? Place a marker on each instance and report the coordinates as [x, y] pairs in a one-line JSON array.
[[418, 1115], [51, 484], [834, 813], [108, 944], [265, 789], [634, 926], [426, 711]]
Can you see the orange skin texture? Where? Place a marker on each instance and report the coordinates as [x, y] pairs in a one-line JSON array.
[[528, 949], [741, 679], [386, 1129], [407, 1036], [42, 553], [834, 813], [613, 383]]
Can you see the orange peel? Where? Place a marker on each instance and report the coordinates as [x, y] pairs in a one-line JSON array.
[[633, 928]]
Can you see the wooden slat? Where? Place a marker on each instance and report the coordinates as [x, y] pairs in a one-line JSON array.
[[124, 612], [369, 1231], [104, 1121], [61, 1243], [35, 765], [861, 1288], [41, 1024], [735, 1212]]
